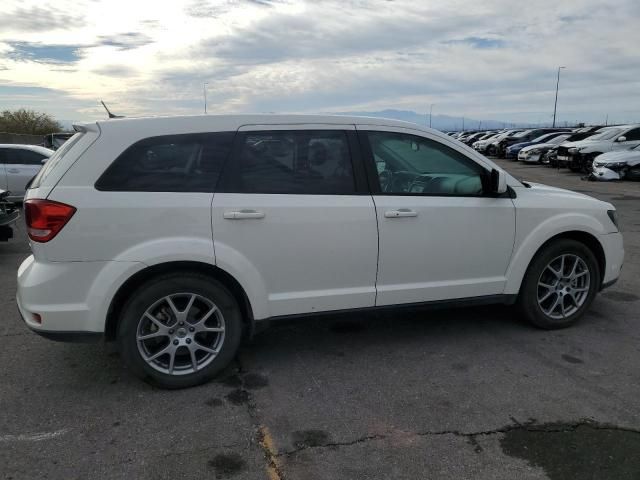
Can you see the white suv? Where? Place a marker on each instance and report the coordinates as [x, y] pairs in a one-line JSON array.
[[177, 236]]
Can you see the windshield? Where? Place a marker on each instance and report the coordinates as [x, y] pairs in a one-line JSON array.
[[544, 137], [606, 135], [54, 159], [521, 134], [559, 139]]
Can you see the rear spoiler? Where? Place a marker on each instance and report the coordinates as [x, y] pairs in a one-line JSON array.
[[86, 127]]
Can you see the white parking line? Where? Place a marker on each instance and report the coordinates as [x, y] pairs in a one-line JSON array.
[[34, 437]]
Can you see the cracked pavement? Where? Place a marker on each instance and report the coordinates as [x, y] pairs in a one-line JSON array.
[[470, 393]]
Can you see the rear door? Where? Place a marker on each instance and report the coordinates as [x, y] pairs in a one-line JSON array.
[[292, 217], [21, 166]]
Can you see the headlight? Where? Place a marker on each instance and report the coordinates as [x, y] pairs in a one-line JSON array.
[[535, 151], [613, 217], [573, 150], [613, 164]]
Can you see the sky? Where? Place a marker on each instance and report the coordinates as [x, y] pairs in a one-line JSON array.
[[489, 59]]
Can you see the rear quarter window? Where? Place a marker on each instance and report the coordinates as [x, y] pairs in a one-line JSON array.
[[55, 159], [170, 163]]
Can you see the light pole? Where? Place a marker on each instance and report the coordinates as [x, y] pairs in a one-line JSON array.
[[430, 112], [204, 91], [555, 106]]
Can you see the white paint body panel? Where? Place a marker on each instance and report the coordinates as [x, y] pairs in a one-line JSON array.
[[308, 253]]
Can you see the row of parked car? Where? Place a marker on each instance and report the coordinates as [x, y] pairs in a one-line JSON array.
[[603, 152]]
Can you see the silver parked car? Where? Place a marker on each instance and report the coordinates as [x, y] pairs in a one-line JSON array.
[[18, 165]]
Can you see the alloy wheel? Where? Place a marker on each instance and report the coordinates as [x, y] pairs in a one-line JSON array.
[[563, 286], [180, 334]]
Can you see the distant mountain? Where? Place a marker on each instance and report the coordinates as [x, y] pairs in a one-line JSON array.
[[440, 122]]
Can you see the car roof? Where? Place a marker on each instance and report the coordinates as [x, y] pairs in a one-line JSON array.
[[35, 148], [235, 121]]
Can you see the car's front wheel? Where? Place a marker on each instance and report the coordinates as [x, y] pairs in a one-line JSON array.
[[559, 285], [179, 330]]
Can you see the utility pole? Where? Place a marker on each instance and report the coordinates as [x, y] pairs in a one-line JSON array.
[[555, 106], [463, 124], [204, 91], [606, 120], [430, 112]]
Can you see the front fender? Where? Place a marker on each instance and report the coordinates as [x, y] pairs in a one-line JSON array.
[[529, 241]]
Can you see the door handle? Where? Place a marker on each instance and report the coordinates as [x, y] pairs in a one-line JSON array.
[[13, 170], [401, 212], [243, 215]]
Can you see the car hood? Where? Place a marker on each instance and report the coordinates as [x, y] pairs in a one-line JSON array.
[[623, 156], [547, 190], [515, 146], [539, 145], [583, 143]]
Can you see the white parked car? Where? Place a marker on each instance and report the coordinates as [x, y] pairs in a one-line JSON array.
[[18, 165], [617, 165], [534, 153], [579, 155], [177, 236]]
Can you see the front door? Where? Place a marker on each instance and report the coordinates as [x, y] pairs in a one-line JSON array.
[[441, 236], [293, 217]]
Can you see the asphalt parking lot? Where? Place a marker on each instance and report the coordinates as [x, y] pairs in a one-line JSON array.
[[468, 393]]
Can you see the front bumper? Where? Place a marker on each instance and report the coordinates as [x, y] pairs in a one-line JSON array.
[[529, 157], [613, 247], [605, 174], [69, 298]]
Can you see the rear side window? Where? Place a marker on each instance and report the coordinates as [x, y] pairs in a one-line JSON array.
[[29, 157], [171, 163], [291, 162]]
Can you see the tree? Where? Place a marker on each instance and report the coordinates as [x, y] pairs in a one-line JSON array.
[[28, 121]]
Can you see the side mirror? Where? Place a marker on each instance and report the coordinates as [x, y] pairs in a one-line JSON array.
[[622, 139], [43, 161], [498, 181]]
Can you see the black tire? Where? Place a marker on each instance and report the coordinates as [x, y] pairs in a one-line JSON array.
[[150, 293], [527, 302], [587, 164]]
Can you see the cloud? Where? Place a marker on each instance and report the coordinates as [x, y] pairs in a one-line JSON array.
[[119, 71], [124, 41], [214, 9], [478, 59], [478, 42], [38, 19]]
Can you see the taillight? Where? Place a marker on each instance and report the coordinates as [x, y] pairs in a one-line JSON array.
[[45, 218]]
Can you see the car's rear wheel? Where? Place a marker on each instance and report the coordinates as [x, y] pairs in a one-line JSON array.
[[179, 330], [559, 285]]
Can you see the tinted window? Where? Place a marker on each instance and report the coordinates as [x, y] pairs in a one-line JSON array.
[[16, 156], [633, 134], [407, 164], [291, 162], [173, 163], [29, 157]]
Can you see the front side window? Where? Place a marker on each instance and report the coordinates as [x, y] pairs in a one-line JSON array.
[[171, 163], [411, 165], [291, 162]]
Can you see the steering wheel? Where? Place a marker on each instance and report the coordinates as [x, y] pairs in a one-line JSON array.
[[386, 180]]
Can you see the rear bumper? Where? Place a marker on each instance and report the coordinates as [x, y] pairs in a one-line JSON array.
[[69, 298]]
